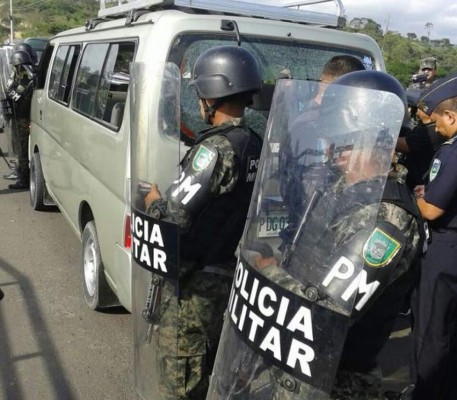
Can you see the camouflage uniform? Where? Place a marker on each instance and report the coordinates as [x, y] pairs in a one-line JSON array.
[[186, 359], [358, 377], [429, 62], [193, 311]]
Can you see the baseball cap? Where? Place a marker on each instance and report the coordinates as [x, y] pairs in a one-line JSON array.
[[439, 91], [429, 62]]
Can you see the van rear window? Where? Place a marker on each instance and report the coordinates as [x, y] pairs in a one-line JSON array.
[[294, 59]]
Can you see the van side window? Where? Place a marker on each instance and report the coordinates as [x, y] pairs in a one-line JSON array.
[[43, 67], [62, 73], [102, 81]]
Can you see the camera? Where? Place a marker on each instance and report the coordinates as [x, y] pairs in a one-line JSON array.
[[419, 78]]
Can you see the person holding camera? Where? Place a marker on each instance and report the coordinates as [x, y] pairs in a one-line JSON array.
[[426, 75]]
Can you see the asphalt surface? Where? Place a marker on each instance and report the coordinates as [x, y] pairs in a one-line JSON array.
[[52, 346]]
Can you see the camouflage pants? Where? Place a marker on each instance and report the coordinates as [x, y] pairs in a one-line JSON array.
[[348, 385], [189, 334], [358, 386]]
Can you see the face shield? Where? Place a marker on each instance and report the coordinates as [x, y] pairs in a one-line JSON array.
[[358, 135]]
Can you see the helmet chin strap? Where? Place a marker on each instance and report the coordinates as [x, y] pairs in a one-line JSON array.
[[210, 110]]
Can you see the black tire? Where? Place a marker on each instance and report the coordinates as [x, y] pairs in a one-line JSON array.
[[97, 292], [37, 185]]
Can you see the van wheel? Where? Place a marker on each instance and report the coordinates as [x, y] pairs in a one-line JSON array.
[[37, 185], [97, 293]]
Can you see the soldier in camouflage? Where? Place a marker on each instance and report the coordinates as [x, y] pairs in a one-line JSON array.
[[358, 376], [426, 75], [222, 165], [346, 208], [19, 91]]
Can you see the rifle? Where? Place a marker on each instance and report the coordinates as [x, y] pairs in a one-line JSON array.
[[150, 312]]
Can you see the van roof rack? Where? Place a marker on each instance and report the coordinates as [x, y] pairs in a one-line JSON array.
[[285, 10]]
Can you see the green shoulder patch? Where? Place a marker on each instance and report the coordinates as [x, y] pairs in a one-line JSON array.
[[380, 249], [435, 169], [202, 159]]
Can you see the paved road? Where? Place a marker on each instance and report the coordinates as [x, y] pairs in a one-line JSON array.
[[52, 346]]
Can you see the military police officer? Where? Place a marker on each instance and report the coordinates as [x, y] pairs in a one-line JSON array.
[[19, 92], [222, 165], [334, 290], [397, 221], [435, 311]]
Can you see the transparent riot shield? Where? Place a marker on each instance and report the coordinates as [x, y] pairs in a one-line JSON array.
[[309, 243], [7, 119], [5, 71], [155, 157]]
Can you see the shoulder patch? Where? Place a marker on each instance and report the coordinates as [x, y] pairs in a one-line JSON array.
[[380, 249], [202, 158], [435, 169]]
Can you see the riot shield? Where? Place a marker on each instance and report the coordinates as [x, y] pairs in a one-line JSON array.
[[155, 157], [6, 74], [5, 71], [302, 268]]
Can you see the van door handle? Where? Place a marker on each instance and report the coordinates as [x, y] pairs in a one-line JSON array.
[[41, 115]]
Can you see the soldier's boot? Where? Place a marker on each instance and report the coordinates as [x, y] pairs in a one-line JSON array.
[[22, 181]]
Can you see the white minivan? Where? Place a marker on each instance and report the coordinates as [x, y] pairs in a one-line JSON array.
[[80, 130]]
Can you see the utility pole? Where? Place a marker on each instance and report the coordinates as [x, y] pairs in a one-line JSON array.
[[11, 23]]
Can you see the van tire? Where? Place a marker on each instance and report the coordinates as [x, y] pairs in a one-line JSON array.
[[97, 292], [37, 185]]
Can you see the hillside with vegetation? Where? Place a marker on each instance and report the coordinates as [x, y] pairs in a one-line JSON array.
[[45, 18], [402, 54]]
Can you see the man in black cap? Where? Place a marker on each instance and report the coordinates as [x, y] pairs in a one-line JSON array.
[[435, 298], [419, 146]]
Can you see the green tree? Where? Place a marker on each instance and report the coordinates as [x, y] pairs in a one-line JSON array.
[[45, 18], [402, 55], [366, 26]]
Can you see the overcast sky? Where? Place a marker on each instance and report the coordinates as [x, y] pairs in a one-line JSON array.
[[406, 16], [409, 15]]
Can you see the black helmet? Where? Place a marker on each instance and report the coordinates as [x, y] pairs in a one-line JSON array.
[[225, 71], [356, 111], [377, 80], [20, 58], [28, 49]]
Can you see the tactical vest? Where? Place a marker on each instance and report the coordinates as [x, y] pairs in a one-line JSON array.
[[20, 92], [217, 229]]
